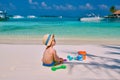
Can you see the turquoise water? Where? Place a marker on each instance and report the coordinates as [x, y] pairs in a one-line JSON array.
[[63, 28]]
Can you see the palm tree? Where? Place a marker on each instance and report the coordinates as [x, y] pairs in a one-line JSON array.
[[112, 9]]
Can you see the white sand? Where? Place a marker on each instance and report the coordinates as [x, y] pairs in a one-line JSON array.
[[23, 62]]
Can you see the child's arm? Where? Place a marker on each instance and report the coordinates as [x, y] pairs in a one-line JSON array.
[[56, 58]]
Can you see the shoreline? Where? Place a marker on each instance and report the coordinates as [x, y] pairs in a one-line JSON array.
[[60, 41], [37, 40]]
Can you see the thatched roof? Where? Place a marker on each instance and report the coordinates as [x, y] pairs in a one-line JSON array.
[[117, 12]]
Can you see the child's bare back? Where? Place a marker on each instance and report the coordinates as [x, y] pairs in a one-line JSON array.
[[48, 56]]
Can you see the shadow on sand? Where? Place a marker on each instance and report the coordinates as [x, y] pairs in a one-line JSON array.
[[106, 65], [113, 47]]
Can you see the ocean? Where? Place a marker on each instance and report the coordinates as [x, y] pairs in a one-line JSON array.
[[61, 27]]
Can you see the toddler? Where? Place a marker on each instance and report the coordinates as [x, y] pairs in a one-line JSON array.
[[50, 57]]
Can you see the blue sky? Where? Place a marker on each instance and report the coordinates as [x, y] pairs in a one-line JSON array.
[[58, 7]]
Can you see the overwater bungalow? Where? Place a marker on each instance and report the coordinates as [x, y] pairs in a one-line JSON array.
[[116, 14]]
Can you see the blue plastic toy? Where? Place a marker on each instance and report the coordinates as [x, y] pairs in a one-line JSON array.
[[69, 58], [79, 58]]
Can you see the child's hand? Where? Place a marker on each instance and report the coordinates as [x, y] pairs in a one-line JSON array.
[[61, 60]]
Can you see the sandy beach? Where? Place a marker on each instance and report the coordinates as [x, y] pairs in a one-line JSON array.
[[23, 62]]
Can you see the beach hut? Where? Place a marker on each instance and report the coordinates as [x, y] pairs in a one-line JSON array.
[[117, 13]]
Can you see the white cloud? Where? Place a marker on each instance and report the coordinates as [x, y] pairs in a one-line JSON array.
[[34, 5], [66, 7], [31, 2], [61, 7], [89, 6], [86, 6], [45, 6], [70, 7], [103, 6]]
